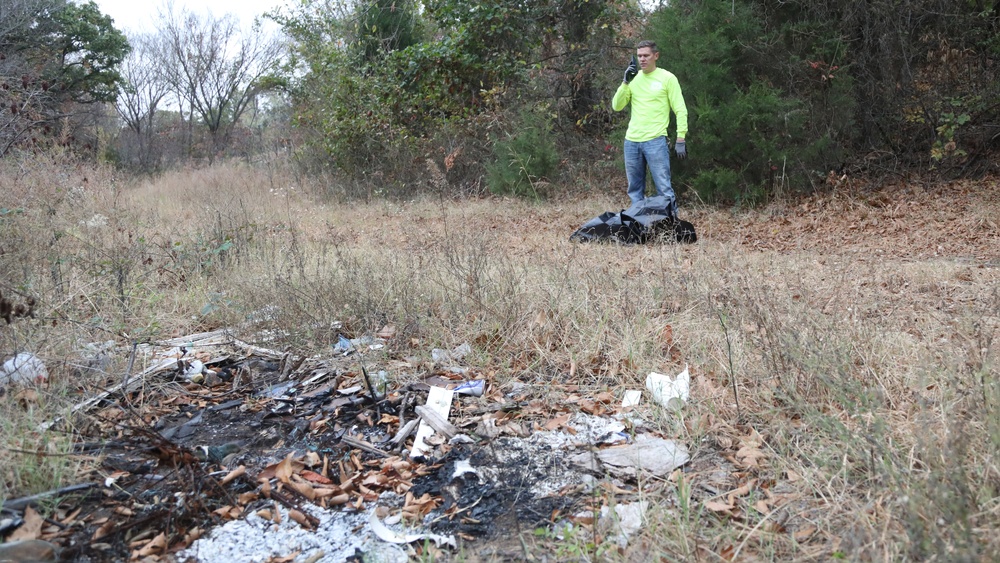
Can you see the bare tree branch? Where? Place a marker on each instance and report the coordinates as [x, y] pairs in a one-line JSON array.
[[142, 91], [215, 68]]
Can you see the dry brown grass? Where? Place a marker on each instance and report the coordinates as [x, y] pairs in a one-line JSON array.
[[861, 333]]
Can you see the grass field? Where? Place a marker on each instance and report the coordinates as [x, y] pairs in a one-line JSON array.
[[843, 348]]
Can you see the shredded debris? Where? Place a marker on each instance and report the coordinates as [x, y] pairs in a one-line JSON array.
[[220, 450]]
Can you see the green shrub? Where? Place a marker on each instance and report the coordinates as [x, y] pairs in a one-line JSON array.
[[524, 157], [719, 184], [741, 122]]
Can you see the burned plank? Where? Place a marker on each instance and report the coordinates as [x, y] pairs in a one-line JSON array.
[[21, 503]]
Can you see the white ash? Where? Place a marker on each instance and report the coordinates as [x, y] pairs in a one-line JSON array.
[[590, 431], [256, 540]]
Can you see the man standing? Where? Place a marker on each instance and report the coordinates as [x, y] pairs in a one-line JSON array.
[[653, 93]]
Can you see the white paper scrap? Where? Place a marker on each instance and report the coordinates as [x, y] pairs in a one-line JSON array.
[[438, 400], [631, 398]]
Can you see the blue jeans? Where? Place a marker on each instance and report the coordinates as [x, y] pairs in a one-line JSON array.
[[654, 153]]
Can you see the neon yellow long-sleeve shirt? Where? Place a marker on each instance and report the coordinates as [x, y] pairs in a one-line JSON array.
[[652, 96]]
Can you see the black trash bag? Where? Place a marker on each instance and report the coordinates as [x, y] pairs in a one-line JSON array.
[[646, 220]]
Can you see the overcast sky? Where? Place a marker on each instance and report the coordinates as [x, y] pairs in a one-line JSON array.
[[137, 15]]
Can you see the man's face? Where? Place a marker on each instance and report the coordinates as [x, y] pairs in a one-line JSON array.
[[647, 59]]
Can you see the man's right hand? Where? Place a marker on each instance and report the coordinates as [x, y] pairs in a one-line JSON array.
[[632, 70]]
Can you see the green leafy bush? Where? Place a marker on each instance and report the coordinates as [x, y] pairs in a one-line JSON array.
[[524, 157], [373, 93]]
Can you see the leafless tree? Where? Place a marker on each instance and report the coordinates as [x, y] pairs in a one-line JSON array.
[[141, 93], [216, 68]]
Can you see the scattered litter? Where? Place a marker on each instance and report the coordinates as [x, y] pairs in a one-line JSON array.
[[353, 390], [516, 387], [193, 369], [439, 423], [381, 381], [95, 222], [343, 345], [280, 390], [439, 402], [631, 398], [669, 392], [8, 525], [461, 468], [535, 474], [386, 534], [95, 358], [472, 388], [628, 519], [649, 455], [23, 368], [348, 454], [183, 430], [457, 354]]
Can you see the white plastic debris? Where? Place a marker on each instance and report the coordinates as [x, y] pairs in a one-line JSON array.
[[386, 534], [95, 222], [193, 370], [441, 356], [583, 430], [462, 467], [628, 519], [95, 358], [631, 398], [23, 368], [670, 392], [343, 346]]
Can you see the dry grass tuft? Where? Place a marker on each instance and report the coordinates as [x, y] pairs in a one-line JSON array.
[[867, 383]]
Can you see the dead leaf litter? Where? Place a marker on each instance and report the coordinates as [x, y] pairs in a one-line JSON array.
[[221, 450]]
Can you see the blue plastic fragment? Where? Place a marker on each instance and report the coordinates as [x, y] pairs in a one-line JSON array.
[[343, 345]]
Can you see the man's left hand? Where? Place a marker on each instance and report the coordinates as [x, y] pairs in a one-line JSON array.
[[681, 149]]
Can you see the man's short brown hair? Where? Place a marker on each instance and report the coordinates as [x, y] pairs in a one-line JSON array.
[[647, 43]]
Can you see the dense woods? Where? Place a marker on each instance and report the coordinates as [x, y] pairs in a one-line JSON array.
[[394, 97]]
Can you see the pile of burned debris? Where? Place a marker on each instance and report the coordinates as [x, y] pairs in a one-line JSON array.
[[220, 450]]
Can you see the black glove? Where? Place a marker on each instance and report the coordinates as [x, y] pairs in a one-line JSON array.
[[632, 70], [681, 149]]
